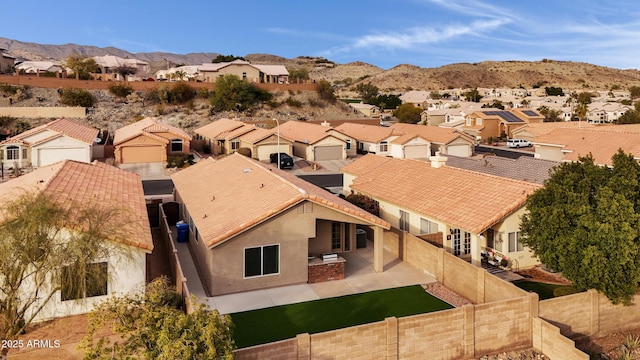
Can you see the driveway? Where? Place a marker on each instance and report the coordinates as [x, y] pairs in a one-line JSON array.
[[147, 171]]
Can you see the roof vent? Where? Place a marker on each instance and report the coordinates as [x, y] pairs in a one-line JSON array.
[[246, 170]]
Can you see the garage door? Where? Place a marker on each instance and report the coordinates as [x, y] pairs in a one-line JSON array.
[[328, 152], [50, 156], [416, 152], [265, 150], [142, 154], [459, 150]]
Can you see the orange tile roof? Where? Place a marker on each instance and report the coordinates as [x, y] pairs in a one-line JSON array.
[[217, 127], [538, 129], [256, 135], [369, 162], [601, 142], [433, 134], [303, 132], [146, 126], [369, 133], [71, 182], [233, 194], [61, 126], [462, 199]]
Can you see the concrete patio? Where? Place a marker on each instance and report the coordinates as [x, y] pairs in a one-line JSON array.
[[359, 278]]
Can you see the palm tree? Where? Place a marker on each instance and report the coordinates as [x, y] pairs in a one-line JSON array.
[[180, 74]]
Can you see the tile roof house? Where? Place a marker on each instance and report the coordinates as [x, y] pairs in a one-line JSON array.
[[49, 143], [277, 74], [149, 140], [226, 136], [257, 227], [316, 142], [71, 183], [109, 65], [465, 211], [532, 131], [366, 109], [524, 168], [370, 138], [602, 142], [35, 67], [447, 141], [484, 124]]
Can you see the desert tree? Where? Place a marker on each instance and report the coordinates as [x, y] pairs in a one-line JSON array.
[[125, 71], [367, 92], [408, 113], [298, 75], [51, 248], [585, 222], [232, 93], [152, 325], [325, 91], [82, 66]]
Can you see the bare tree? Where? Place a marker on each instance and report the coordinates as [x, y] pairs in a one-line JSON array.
[[125, 71]]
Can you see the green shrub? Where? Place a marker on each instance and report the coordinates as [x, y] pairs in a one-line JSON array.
[[121, 90], [179, 161], [182, 92], [8, 89], [294, 103], [76, 97]]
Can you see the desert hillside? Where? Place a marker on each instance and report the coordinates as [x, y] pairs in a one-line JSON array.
[[486, 74]]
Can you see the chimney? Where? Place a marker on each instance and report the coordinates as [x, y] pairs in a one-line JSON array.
[[325, 124], [437, 160]]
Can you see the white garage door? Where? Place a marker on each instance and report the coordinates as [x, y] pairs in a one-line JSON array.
[[328, 152], [416, 152], [49, 156], [264, 151], [459, 150]]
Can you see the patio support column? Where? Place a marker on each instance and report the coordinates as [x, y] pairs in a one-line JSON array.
[[378, 249], [475, 249]]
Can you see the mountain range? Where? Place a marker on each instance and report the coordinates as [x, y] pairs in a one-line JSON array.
[[487, 74]]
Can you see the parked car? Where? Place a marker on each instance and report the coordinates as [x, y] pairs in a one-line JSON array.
[[286, 162], [518, 143]]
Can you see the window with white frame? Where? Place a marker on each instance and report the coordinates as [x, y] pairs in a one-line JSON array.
[[428, 227], [261, 260], [13, 153], [235, 145], [455, 235], [176, 145], [404, 220], [384, 146], [514, 242], [348, 141], [466, 245]]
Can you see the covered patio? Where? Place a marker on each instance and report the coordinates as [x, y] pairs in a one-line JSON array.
[[360, 277]]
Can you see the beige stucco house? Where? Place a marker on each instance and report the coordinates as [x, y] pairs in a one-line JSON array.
[[483, 124], [465, 212], [316, 142], [149, 140], [447, 141], [244, 70], [602, 142], [71, 182], [258, 227], [226, 136], [49, 143], [109, 65]]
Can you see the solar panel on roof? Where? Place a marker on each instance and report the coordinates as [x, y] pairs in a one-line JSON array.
[[530, 112], [506, 115]]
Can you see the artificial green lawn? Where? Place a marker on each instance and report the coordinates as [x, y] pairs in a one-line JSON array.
[[544, 290], [285, 322]]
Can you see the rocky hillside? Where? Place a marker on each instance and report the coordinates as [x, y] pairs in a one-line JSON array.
[[487, 74]]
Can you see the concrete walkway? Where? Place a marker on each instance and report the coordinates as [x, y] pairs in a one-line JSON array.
[[359, 278]]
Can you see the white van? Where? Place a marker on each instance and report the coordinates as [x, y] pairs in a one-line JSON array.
[[518, 143]]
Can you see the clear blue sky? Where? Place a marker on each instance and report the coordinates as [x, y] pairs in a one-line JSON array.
[[426, 33]]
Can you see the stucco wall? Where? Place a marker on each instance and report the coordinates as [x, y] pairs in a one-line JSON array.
[[126, 273], [44, 112], [553, 153], [62, 142]]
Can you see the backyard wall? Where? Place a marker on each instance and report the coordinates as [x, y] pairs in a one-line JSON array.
[[44, 112], [589, 313]]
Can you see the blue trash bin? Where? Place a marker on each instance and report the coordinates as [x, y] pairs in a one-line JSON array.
[[183, 231]]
